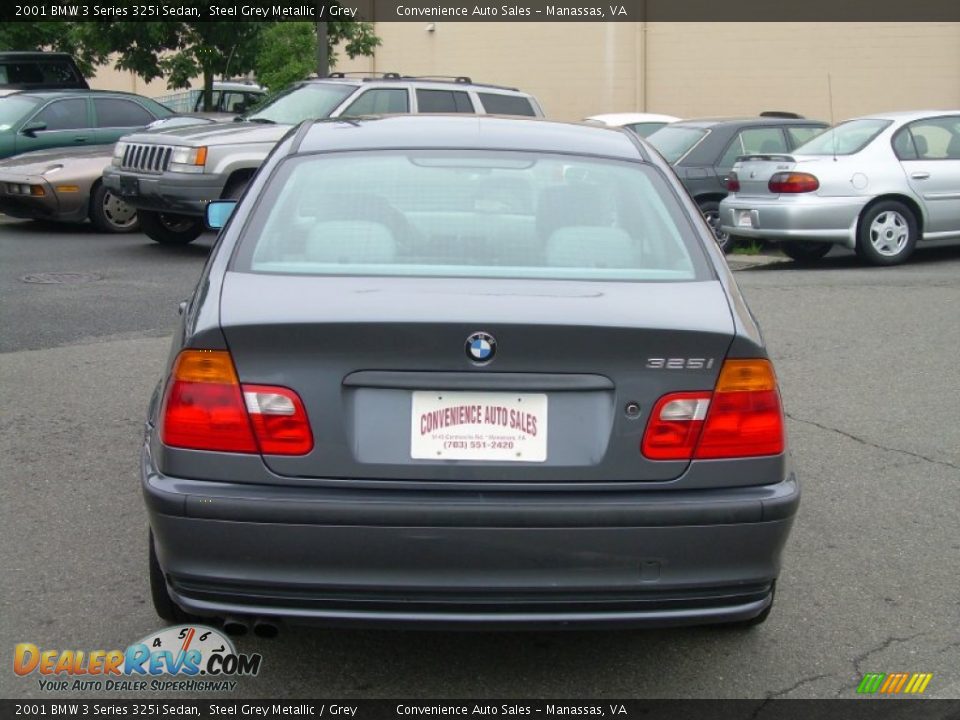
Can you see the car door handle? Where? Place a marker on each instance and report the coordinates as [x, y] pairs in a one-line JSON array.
[[920, 175], [80, 138]]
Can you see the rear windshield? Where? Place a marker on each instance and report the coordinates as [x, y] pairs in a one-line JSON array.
[[675, 142], [470, 214], [302, 102], [844, 139]]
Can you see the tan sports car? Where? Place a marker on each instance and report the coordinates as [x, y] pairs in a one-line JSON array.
[[63, 184]]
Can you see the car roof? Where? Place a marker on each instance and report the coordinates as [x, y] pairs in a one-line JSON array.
[[758, 120], [905, 115], [430, 83], [237, 85], [33, 55], [481, 132], [618, 119], [43, 94]]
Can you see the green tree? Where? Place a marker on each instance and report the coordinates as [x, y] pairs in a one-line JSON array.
[[179, 51], [288, 50], [287, 54]]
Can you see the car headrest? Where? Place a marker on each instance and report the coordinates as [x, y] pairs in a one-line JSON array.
[[953, 147], [921, 143], [569, 205]]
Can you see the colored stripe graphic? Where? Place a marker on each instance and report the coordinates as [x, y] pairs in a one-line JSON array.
[[871, 683], [894, 683], [918, 683]]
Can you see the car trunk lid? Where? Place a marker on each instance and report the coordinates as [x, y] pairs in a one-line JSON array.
[[371, 358], [754, 172]]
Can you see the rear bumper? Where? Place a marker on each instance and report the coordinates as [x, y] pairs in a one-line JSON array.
[[180, 193], [809, 217], [501, 560]]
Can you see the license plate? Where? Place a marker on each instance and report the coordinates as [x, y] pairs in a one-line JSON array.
[[481, 426], [744, 218], [129, 186]]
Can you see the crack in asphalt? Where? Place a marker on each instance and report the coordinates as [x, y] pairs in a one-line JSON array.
[[948, 646], [862, 441], [780, 693], [862, 657]]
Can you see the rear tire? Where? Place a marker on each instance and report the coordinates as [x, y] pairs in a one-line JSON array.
[[110, 214], [170, 229], [805, 251], [887, 234], [711, 213], [163, 604]]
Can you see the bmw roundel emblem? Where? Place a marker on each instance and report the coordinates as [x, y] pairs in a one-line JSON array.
[[481, 347]]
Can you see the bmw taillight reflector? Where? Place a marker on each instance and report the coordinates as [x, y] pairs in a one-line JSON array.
[[206, 408], [675, 425], [279, 420], [793, 182], [733, 183], [742, 417]]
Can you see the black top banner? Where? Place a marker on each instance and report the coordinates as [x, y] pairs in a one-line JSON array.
[[741, 11]]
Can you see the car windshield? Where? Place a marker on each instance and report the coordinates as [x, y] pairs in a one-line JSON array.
[[675, 142], [470, 214], [14, 108], [844, 139], [302, 102]]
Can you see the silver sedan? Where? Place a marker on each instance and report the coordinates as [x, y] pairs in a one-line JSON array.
[[877, 185]]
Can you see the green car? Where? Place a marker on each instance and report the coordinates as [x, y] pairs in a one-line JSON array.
[[71, 118]]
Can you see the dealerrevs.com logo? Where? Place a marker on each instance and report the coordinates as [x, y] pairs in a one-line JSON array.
[[186, 658]]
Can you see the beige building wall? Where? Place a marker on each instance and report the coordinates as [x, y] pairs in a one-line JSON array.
[[690, 69], [109, 78]]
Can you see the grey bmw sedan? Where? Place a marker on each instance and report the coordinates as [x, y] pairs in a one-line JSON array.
[[466, 371]]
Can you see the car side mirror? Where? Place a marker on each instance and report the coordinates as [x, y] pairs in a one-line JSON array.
[[32, 128], [218, 212]]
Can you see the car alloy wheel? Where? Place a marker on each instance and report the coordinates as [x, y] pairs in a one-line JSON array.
[[889, 233], [118, 213]]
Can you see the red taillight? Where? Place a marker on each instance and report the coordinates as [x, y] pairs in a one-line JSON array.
[[742, 417], [206, 408], [733, 183], [793, 182]]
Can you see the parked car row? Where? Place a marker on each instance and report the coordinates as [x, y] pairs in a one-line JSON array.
[[878, 185]]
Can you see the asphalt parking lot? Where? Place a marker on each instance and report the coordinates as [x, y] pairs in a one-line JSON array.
[[868, 365]]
